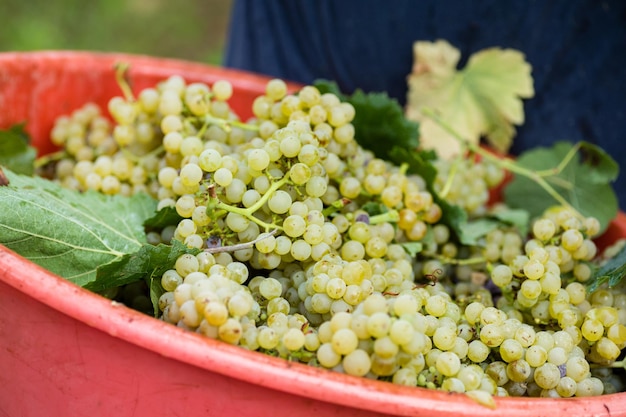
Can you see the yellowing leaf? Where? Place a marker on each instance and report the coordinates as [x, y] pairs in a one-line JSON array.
[[482, 99]]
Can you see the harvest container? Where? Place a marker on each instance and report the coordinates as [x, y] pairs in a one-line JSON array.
[[66, 352]]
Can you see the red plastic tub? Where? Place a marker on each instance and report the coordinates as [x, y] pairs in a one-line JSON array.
[[65, 351]]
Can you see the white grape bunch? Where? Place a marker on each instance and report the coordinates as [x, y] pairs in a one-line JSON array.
[[307, 246]]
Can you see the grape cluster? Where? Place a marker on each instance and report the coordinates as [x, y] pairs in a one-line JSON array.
[[466, 182], [305, 247]]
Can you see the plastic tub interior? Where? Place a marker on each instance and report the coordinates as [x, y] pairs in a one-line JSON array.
[[67, 352]]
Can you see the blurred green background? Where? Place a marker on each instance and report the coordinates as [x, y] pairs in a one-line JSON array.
[[186, 29]]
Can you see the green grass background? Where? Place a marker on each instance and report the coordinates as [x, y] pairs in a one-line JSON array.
[[186, 29]]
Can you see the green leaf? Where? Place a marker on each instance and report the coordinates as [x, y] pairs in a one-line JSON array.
[[472, 231], [69, 233], [15, 152], [451, 215], [373, 208], [167, 216], [604, 168], [418, 162], [379, 121], [584, 182], [148, 263], [518, 218], [327, 86], [613, 271], [156, 291], [412, 248]]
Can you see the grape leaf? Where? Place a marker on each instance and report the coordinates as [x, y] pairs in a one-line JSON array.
[[518, 218], [373, 208], [482, 99], [167, 216], [149, 260], [613, 271], [585, 182], [70, 234], [379, 121], [15, 152], [148, 263], [418, 161], [472, 231], [412, 248], [327, 86]]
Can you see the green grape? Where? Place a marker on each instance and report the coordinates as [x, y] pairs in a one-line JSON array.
[[209, 160], [222, 90], [336, 288], [471, 376], [557, 356], [378, 324], [406, 304], [592, 330], [536, 355], [401, 332], [531, 290], [511, 350], [436, 305], [518, 370], [385, 348], [327, 357], [534, 269], [478, 351], [215, 313], [300, 250], [357, 363], [544, 229], [547, 376], [572, 239], [473, 312], [270, 288], [501, 275], [352, 250], [294, 225], [444, 338], [293, 193], [492, 335], [267, 338], [566, 387], [448, 363], [607, 349], [223, 177], [589, 387], [170, 103]]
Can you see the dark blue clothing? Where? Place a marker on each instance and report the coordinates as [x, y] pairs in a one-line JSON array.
[[577, 49]]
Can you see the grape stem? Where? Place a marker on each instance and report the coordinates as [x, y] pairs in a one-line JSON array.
[[448, 184], [249, 211], [51, 157], [121, 69], [390, 216], [507, 164], [227, 125], [617, 364], [335, 206], [455, 261], [240, 246], [139, 159]]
